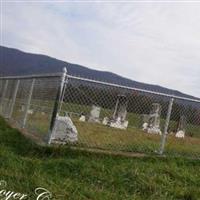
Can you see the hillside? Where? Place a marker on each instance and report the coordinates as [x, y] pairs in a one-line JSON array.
[[16, 62], [69, 174]]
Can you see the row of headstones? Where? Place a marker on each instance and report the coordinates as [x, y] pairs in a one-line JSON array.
[[65, 130], [118, 119], [151, 122]]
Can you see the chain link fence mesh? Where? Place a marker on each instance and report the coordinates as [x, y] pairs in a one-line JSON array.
[[28, 104], [107, 116]]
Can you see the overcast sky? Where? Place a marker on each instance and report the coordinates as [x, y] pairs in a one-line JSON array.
[[151, 42]]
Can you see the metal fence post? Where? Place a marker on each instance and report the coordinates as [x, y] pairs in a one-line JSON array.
[[164, 135], [14, 98], [58, 101], [28, 103], [3, 96]]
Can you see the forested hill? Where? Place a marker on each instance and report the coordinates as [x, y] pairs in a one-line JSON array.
[[16, 62]]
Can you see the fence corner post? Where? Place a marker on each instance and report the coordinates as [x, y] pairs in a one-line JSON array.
[[58, 102], [164, 135]]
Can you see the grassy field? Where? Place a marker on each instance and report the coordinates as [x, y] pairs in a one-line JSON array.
[[135, 120], [77, 175], [94, 135], [133, 140], [102, 137]]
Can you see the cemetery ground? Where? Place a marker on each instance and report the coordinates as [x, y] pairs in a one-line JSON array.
[[96, 135], [78, 175]]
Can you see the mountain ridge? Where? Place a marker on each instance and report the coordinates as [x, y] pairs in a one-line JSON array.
[[30, 63]]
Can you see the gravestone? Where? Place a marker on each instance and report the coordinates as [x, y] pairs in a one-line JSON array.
[[94, 114], [181, 127], [64, 131], [30, 111], [119, 116], [82, 117], [22, 108], [145, 126], [145, 121], [154, 119], [105, 121]]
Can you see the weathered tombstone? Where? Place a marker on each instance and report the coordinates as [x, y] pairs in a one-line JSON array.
[[120, 113], [145, 121], [64, 131], [30, 111], [119, 124], [105, 121], [22, 108], [154, 119], [82, 117], [181, 127], [120, 108], [145, 126], [94, 114]]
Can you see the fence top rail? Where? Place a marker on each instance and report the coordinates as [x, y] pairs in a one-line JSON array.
[[58, 74], [135, 89]]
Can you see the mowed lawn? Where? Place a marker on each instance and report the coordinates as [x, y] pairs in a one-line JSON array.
[[77, 175], [99, 136], [134, 140], [96, 135]]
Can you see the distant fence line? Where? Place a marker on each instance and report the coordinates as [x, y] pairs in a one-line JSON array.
[[81, 112]]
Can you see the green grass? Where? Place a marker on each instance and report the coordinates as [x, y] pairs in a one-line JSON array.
[[77, 175], [135, 120], [133, 140], [96, 135]]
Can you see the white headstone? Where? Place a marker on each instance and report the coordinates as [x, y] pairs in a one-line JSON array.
[[180, 134], [181, 127], [119, 124], [30, 111], [82, 118], [154, 130], [145, 126], [154, 119], [120, 108], [94, 114], [64, 131], [22, 108], [105, 121], [119, 116]]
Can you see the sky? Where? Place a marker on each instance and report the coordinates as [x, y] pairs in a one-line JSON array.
[[156, 42]]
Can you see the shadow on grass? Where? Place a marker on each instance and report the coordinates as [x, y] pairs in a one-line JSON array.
[[97, 176]]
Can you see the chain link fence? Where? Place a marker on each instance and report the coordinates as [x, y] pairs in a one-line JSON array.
[[28, 103], [87, 113]]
